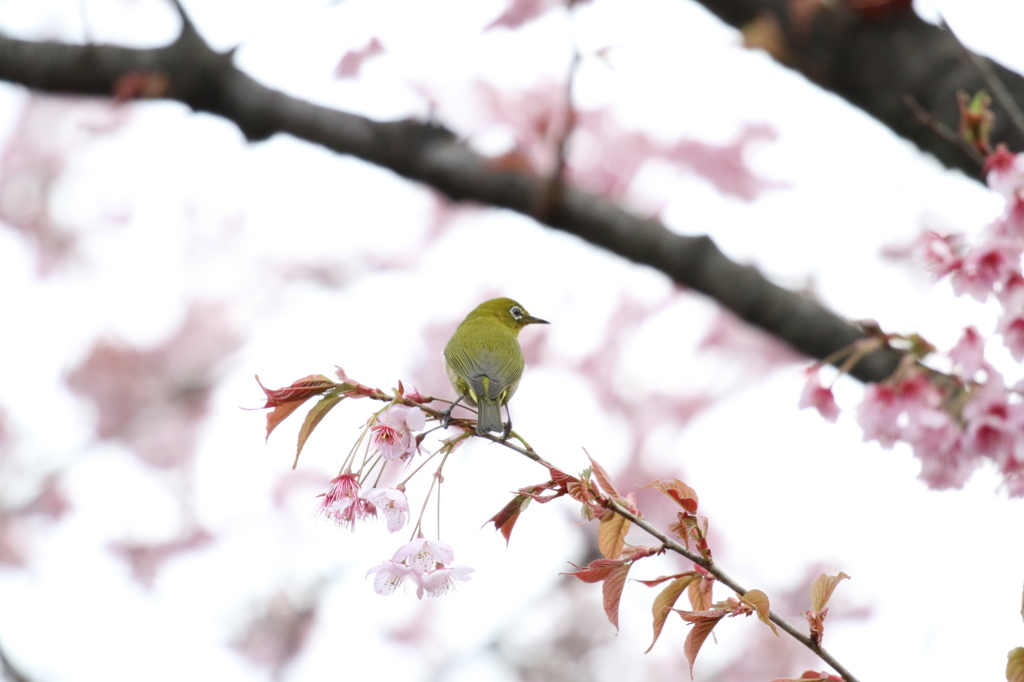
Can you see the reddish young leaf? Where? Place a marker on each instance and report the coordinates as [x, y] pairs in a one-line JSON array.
[[287, 400], [611, 535], [1015, 665], [703, 623], [612, 592], [660, 579], [603, 479], [821, 590], [506, 519], [759, 601], [279, 414], [682, 494], [699, 592], [299, 391], [560, 478], [665, 600], [816, 621], [597, 570], [313, 417]]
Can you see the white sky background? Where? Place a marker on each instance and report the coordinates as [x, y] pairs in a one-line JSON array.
[[943, 571]]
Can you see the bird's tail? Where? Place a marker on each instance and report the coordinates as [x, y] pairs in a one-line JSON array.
[[489, 418]]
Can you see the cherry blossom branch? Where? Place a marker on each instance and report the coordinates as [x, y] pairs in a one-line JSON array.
[[397, 438], [707, 563], [724, 578]]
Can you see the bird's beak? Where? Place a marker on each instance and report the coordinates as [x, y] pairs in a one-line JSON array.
[[530, 319]]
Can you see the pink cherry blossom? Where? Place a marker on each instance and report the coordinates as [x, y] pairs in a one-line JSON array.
[[1005, 173], [393, 435], [343, 503], [941, 253], [441, 580], [423, 555], [986, 267], [937, 443], [1011, 326], [390, 574], [1011, 295], [820, 398], [888, 409], [392, 504], [1015, 485], [993, 423], [879, 413], [968, 354]]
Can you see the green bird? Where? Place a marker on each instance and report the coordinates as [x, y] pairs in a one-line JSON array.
[[484, 361]]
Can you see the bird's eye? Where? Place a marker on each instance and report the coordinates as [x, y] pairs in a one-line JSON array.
[[516, 312]]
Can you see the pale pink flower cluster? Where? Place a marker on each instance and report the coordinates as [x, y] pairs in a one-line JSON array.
[[426, 563], [992, 265], [346, 504], [953, 429], [394, 434], [950, 445]]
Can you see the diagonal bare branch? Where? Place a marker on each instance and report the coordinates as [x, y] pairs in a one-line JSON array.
[[208, 81]]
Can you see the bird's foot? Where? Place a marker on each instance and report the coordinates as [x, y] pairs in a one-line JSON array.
[[446, 416]]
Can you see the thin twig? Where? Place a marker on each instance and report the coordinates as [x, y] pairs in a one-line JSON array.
[[726, 580], [946, 133], [995, 83], [708, 564], [554, 189], [667, 542]]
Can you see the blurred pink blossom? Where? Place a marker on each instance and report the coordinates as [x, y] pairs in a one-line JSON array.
[[154, 400], [968, 354], [820, 398], [352, 62]]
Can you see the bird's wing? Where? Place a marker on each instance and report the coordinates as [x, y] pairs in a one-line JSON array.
[[498, 363]]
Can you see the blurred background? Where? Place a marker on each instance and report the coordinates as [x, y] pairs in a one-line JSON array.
[[152, 262]]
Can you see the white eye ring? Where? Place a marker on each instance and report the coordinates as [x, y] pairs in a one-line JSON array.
[[516, 312]]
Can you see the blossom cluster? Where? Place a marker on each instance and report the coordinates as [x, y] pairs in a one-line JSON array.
[[991, 266], [955, 422], [393, 439], [395, 435], [426, 563], [347, 504]]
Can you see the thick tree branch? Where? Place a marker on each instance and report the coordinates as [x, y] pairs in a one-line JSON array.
[[189, 71], [876, 62]]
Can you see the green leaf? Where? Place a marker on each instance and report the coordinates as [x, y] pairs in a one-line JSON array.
[[313, 417]]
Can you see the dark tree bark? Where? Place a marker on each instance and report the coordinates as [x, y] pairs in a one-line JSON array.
[[877, 62], [190, 72]]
